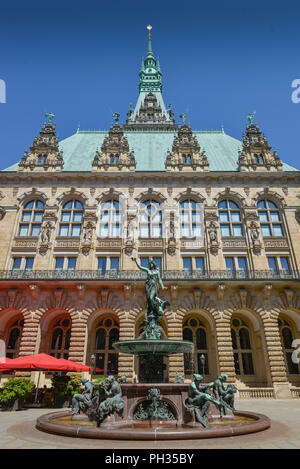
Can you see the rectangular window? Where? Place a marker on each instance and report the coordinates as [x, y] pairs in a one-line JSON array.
[[263, 216], [77, 216], [277, 229], [23, 230], [242, 264], [17, 263], [29, 263], [76, 230], [114, 264], [224, 216], [35, 230], [26, 216], [63, 230], [285, 265], [237, 230], [229, 261], [265, 230], [38, 216], [225, 230], [200, 264], [102, 264], [59, 263], [66, 216], [72, 263], [273, 264], [187, 264]]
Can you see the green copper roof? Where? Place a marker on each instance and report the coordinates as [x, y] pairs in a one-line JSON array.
[[150, 149]]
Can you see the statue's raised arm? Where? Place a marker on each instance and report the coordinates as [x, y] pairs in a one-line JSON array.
[[144, 269]]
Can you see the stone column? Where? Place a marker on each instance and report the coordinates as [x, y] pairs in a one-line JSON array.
[[30, 335], [224, 348], [276, 362], [176, 363], [127, 332], [78, 340]]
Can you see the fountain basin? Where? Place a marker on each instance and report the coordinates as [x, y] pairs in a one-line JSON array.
[[154, 346], [61, 423]]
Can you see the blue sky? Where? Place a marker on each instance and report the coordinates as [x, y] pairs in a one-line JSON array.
[[80, 60]]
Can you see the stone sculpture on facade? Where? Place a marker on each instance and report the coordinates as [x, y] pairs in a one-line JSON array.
[[171, 239], [254, 234], [213, 237], [155, 305]]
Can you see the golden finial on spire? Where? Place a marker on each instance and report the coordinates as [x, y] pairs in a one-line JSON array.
[[149, 27]]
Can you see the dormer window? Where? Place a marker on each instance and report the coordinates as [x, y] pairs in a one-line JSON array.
[[150, 117], [42, 160], [114, 159]]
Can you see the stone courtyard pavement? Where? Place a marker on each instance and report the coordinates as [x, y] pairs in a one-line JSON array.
[[17, 431]]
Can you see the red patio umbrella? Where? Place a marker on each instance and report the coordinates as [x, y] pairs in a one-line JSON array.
[[79, 366], [37, 362], [3, 362]]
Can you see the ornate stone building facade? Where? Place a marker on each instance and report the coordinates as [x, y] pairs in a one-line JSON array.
[[220, 217]]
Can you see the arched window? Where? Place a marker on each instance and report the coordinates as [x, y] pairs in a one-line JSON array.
[[150, 219], [270, 219], [31, 218], [194, 330], [107, 332], [60, 338], [230, 219], [71, 218], [110, 219], [14, 335], [190, 219], [287, 337], [242, 348]]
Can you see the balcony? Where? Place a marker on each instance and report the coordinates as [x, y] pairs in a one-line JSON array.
[[137, 275]]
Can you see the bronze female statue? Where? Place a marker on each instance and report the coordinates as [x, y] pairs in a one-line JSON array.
[[155, 305]]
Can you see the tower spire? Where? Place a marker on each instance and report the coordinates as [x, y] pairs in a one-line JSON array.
[[150, 110], [149, 27]]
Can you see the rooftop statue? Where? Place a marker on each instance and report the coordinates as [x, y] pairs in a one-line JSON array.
[[50, 116], [116, 116], [183, 117], [251, 117], [155, 305]]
